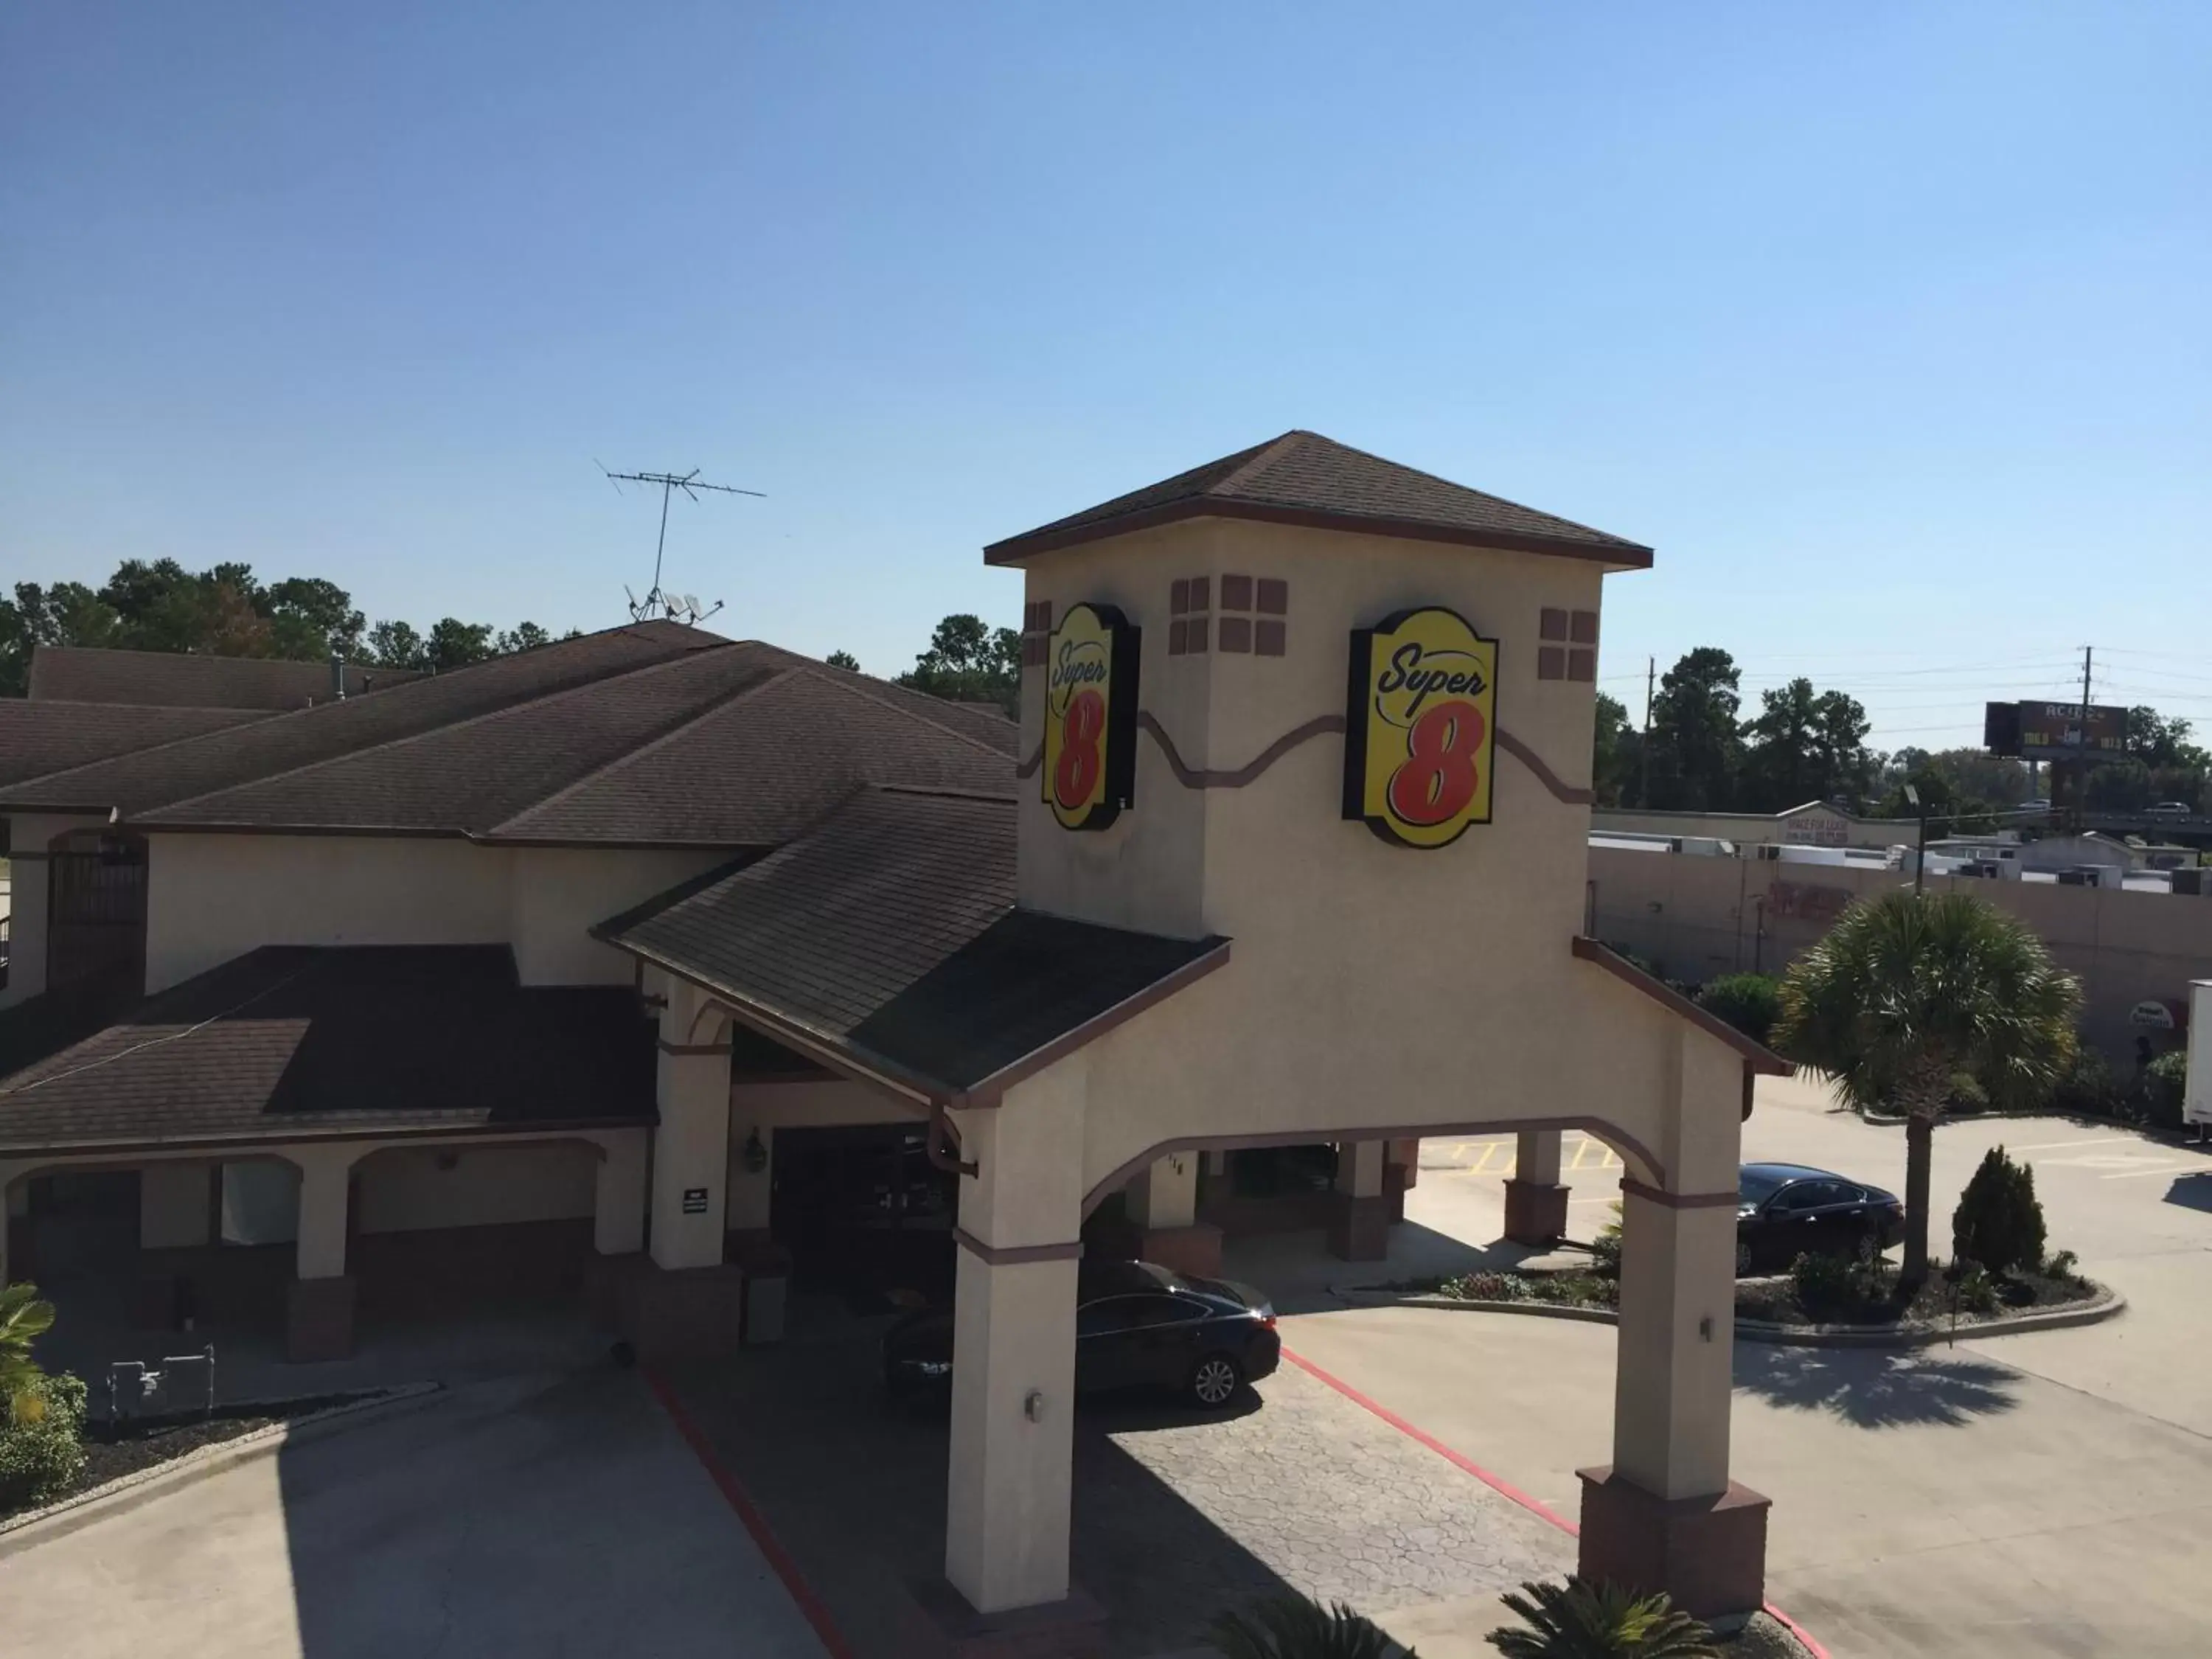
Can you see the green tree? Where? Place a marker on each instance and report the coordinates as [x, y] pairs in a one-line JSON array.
[[1696, 749], [1617, 754], [1581, 1620], [844, 659], [397, 645], [969, 661], [1910, 989]]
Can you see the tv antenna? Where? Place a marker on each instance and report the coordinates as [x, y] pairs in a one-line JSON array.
[[673, 607]]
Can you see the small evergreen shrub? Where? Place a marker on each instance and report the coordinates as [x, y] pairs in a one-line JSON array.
[[1750, 1002], [1970, 1284], [1999, 1220], [2088, 1089], [42, 1455], [2165, 1083], [2061, 1264]]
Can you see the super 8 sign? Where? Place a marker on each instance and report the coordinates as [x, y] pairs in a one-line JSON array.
[[1090, 717], [1420, 728]]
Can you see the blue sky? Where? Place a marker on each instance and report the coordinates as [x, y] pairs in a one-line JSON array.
[[1886, 325]]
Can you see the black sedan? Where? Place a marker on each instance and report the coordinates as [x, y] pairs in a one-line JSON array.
[[1786, 1210], [1136, 1326]]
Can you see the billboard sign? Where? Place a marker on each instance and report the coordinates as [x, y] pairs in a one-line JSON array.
[[2035, 730]]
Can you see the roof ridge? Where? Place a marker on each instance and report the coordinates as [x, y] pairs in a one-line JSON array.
[[808, 665], [656, 741], [1469, 489], [1259, 455], [450, 725]]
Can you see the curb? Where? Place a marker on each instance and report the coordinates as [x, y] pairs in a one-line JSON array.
[[128, 1491], [2109, 1305]]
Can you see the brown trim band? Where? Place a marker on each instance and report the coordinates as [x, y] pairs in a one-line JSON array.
[[1627, 556], [668, 1048], [1561, 790], [1192, 778], [1635, 1188], [1607, 1132], [1757, 1056], [267, 1144], [1016, 1255], [1028, 768]]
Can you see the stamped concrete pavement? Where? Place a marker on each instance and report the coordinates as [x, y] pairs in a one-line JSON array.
[[514, 1518]]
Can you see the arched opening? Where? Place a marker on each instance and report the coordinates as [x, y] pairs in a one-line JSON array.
[[96, 916]]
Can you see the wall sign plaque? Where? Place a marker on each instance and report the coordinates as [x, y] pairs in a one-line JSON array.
[[1420, 728]]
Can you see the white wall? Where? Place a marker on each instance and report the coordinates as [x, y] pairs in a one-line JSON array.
[[407, 1191]]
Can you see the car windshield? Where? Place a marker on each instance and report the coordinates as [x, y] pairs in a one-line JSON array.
[[1757, 1186]]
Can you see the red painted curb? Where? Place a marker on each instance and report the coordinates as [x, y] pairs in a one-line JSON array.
[[1505, 1488], [809, 1605]]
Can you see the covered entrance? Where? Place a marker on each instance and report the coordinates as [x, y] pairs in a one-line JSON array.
[[863, 1213]]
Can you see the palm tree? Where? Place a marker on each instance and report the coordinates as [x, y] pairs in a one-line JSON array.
[[1910, 990], [22, 1317], [1292, 1628], [1581, 1620]]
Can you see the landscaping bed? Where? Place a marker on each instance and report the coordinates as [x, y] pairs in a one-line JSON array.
[[1834, 1292]]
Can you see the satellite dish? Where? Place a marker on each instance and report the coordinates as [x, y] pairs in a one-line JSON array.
[[691, 604]]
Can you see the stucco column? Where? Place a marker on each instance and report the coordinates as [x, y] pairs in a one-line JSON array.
[[1664, 1515], [1013, 1370], [691, 1148], [618, 1195], [1359, 1227], [1535, 1202], [1164, 1204], [319, 1307]]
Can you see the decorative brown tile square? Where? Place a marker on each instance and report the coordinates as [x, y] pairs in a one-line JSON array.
[[1582, 665], [1194, 639], [1552, 624], [1550, 662], [1201, 592], [1236, 593], [1274, 596], [1268, 639], [1235, 634], [1585, 628], [1178, 632], [1179, 596]]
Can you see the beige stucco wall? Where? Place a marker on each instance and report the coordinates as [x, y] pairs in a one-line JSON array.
[[1371, 985], [405, 1191], [558, 894], [213, 896], [1697, 917]]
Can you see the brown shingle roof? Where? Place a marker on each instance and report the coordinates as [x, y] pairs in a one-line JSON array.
[[176, 679], [292, 1042], [1303, 478], [223, 760], [38, 737], [888, 937]]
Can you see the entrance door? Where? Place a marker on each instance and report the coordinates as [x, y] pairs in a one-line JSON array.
[[863, 1212]]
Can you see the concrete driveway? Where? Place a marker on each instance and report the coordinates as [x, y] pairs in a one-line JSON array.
[[514, 1518], [2042, 1494]]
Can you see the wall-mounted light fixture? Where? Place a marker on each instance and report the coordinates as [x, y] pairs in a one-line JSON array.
[[753, 1155]]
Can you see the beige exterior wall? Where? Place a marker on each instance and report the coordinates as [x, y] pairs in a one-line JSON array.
[[1699, 917], [213, 897], [1371, 986], [407, 1191]]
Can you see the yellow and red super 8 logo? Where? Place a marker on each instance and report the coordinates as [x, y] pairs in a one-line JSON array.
[[1090, 717], [1420, 728]]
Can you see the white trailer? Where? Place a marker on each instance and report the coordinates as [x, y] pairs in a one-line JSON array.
[[2196, 1099]]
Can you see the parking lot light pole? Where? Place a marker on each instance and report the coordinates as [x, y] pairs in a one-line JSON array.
[[1920, 870]]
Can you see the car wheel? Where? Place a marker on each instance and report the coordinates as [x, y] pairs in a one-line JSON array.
[[1742, 1258], [1214, 1380], [1870, 1245]]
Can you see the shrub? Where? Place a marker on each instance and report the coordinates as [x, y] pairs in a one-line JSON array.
[[2061, 1264], [1999, 1220], [1967, 1094], [1837, 1283], [1293, 1626], [1581, 1620], [1749, 1002], [2165, 1083], [2088, 1089], [1490, 1287], [1605, 1248], [1972, 1284], [42, 1454]]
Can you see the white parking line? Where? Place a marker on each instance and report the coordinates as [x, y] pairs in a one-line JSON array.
[[2068, 1145], [2162, 1168]]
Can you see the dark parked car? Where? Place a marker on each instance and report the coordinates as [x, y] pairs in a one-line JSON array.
[[1136, 1326], [1786, 1210]]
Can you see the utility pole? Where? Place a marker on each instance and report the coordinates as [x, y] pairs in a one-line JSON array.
[[1643, 785], [2082, 749]]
